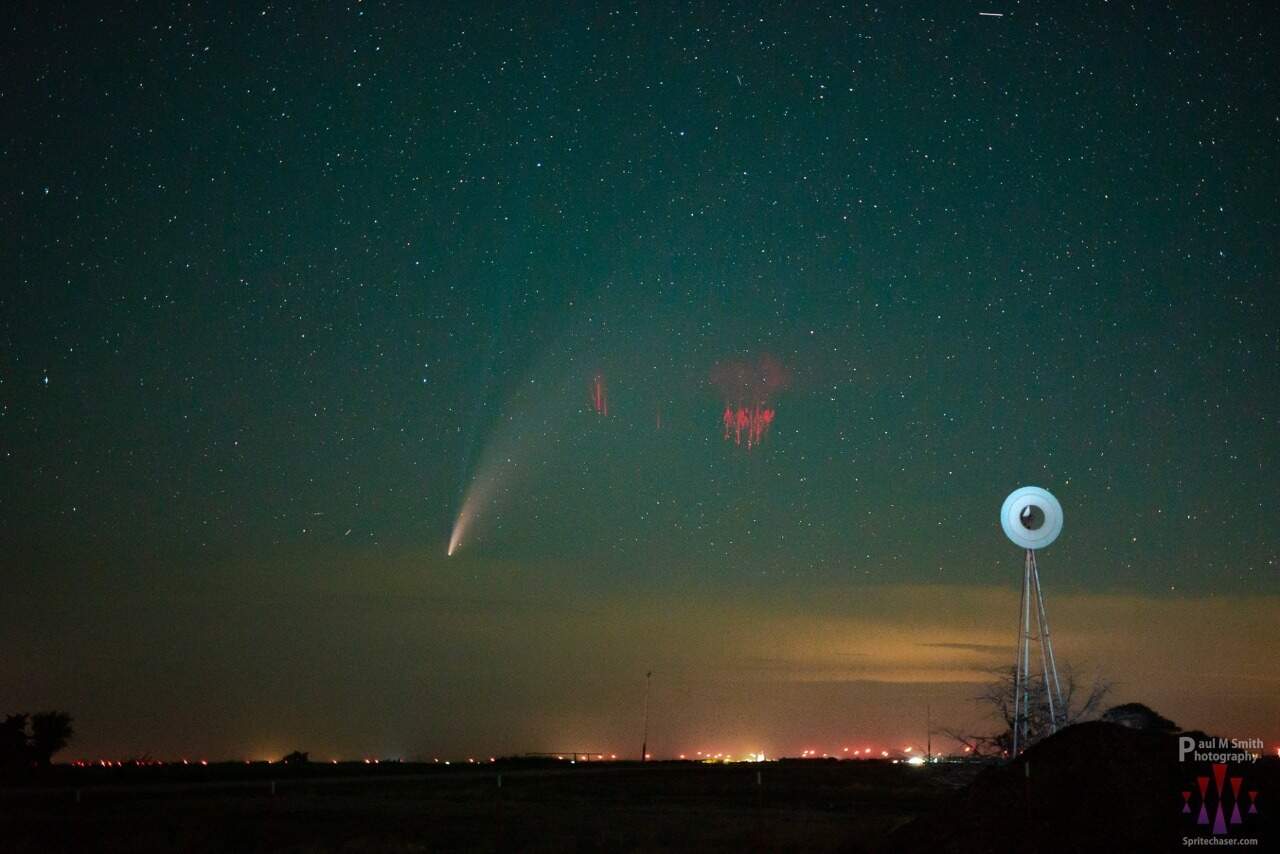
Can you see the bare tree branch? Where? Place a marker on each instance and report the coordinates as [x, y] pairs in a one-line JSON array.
[[1080, 701]]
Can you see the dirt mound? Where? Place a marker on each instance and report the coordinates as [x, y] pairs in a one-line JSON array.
[[1092, 787]]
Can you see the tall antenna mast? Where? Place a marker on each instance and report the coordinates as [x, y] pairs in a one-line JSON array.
[[644, 742], [928, 733]]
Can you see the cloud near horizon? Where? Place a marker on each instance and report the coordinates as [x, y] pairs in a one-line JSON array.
[[372, 663]]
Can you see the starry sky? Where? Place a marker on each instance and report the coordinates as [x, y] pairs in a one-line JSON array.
[[288, 289]]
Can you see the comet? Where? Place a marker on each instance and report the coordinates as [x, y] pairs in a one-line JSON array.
[[479, 492], [524, 438], [508, 458]]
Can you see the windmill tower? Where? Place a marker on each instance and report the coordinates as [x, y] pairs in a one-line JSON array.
[[1032, 519]]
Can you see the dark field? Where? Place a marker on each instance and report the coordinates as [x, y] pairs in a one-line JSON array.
[[1096, 787], [803, 805]]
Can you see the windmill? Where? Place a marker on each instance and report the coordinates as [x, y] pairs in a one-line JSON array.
[[1032, 519]]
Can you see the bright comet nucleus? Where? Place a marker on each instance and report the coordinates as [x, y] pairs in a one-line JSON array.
[[455, 538], [466, 515]]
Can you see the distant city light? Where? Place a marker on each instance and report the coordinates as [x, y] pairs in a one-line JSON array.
[[908, 754]]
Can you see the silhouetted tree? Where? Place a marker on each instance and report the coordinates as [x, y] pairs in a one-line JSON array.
[[1080, 703], [298, 757], [15, 748], [50, 732]]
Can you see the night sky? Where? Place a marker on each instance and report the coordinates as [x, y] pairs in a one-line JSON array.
[[286, 290]]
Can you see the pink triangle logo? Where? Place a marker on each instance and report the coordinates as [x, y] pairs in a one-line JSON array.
[[1219, 822]]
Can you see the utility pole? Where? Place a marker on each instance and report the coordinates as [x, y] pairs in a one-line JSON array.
[[928, 733], [644, 742]]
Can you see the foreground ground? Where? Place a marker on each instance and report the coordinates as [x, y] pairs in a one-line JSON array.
[[810, 806], [1091, 787]]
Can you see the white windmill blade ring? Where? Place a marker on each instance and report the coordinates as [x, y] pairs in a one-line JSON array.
[[1031, 517]]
